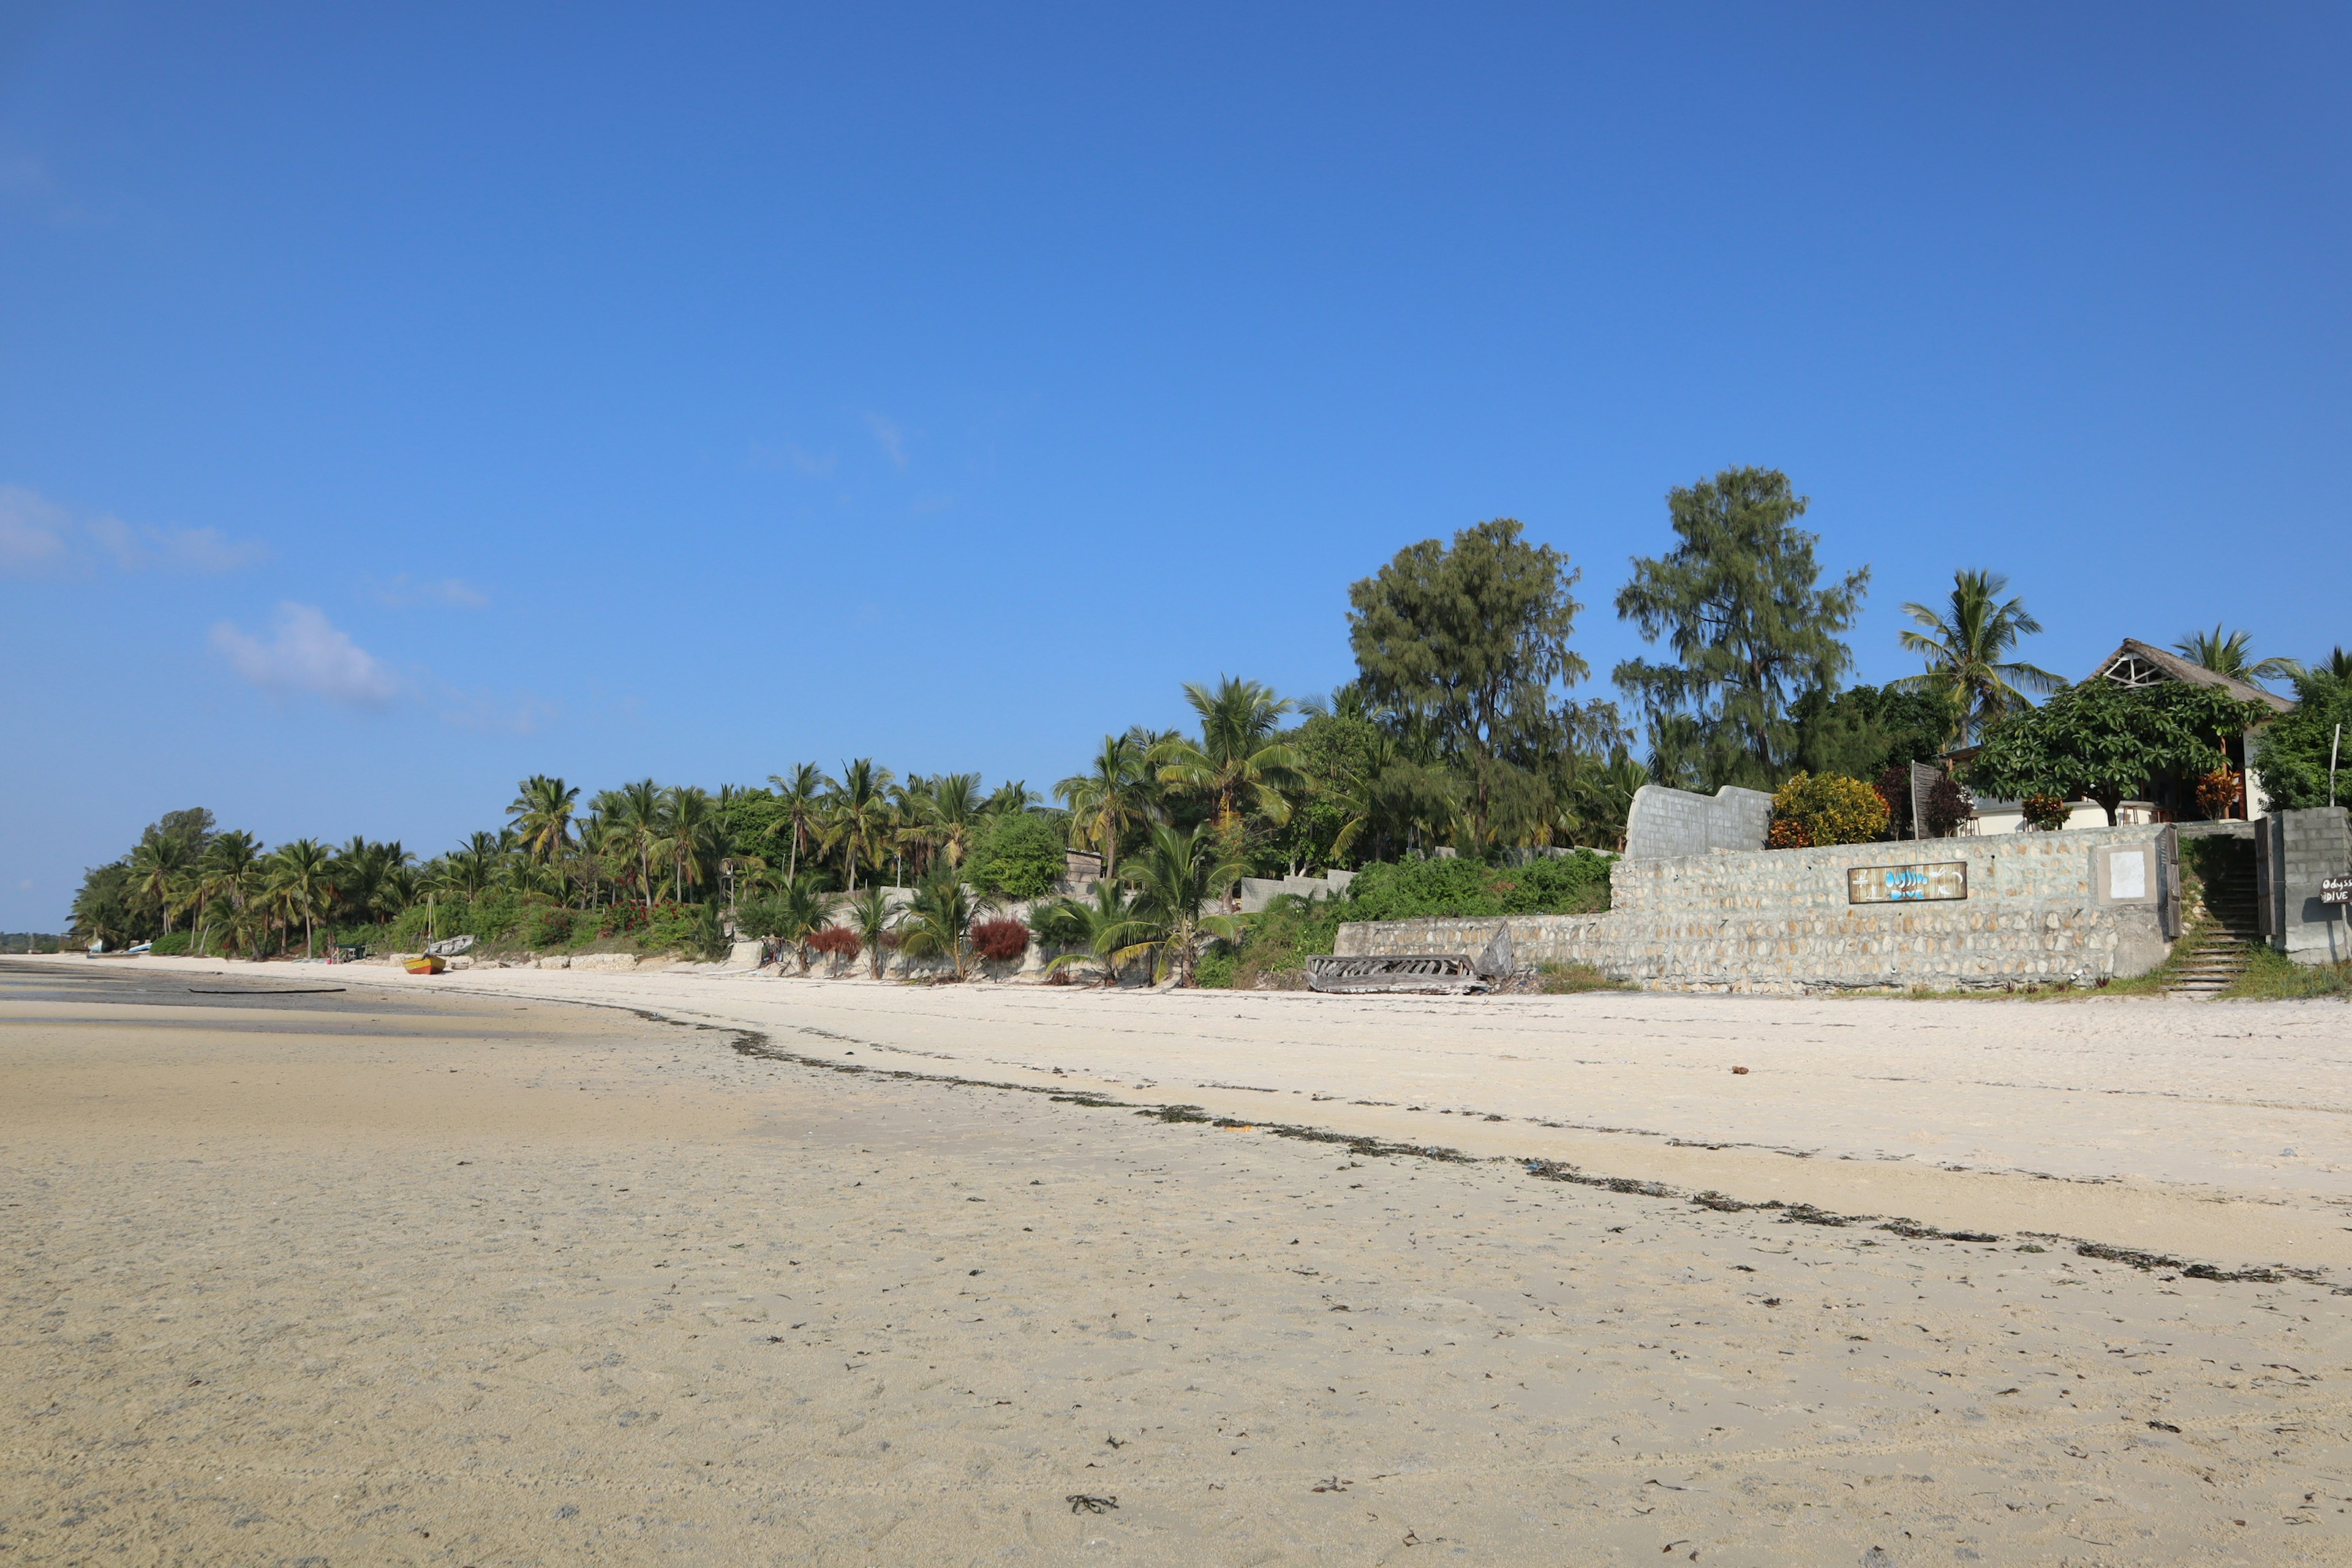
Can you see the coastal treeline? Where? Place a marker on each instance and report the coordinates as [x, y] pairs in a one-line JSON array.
[[1460, 771]]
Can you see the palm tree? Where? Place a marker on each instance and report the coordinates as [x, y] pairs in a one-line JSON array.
[[797, 912], [226, 872], [803, 794], [542, 813], [636, 818], [1112, 794], [940, 920], [1236, 758], [957, 810], [160, 868], [857, 815], [690, 837], [1966, 647], [301, 878], [874, 918], [471, 869], [1086, 929], [2228, 653], [1174, 875]]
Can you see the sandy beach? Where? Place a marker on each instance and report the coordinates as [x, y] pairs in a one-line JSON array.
[[746, 1270]]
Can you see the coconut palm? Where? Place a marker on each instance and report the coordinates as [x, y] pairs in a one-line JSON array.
[[939, 921], [301, 879], [1966, 647], [162, 868], [875, 919], [691, 836], [635, 822], [1173, 875], [2229, 653], [957, 810], [802, 791], [226, 873], [857, 815], [796, 912], [542, 815], [1086, 929], [471, 871], [1112, 794], [1236, 759]]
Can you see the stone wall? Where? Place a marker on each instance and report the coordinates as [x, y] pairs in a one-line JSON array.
[[2298, 848], [2047, 908], [1663, 823]]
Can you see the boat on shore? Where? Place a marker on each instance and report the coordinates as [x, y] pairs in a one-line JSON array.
[[425, 963]]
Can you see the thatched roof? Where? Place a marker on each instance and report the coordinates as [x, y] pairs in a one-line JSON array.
[[2136, 663]]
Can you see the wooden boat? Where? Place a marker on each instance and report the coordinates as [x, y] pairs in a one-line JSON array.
[[426, 964]]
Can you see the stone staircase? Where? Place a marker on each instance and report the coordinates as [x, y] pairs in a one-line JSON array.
[[2223, 950]]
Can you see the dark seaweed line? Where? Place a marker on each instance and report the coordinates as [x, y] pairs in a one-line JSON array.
[[755, 1044]]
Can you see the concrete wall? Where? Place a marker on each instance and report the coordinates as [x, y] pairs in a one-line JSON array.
[[1663, 822], [2302, 847], [1259, 891], [2040, 908]]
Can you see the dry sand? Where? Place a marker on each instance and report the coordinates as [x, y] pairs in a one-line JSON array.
[[431, 1272]]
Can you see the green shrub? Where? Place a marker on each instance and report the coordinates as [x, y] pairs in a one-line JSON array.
[[1553, 885], [545, 925], [1019, 855], [172, 946]]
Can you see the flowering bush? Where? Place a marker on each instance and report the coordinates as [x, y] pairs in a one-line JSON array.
[[1000, 941], [1826, 809]]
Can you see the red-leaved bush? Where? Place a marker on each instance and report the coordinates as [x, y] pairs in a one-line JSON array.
[[839, 941], [998, 940]]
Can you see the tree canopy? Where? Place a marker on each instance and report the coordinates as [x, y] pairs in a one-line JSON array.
[[2099, 741], [1738, 601]]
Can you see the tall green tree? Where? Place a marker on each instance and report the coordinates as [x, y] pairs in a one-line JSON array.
[[2296, 749], [1111, 794], [2231, 654], [2099, 741], [1238, 760], [1967, 644], [857, 817], [801, 792], [937, 922], [1739, 600], [301, 879], [874, 917], [1472, 638], [542, 815], [635, 822], [162, 868]]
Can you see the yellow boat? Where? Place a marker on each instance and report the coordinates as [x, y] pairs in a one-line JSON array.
[[427, 964]]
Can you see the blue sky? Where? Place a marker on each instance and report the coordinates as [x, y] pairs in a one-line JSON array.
[[395, 403]]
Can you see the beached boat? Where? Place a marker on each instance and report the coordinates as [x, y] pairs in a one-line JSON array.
[[427, 964]]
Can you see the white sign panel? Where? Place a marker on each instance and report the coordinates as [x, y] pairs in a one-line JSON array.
[[2128, 875]]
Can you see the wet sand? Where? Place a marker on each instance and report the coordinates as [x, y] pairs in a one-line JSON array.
[[416, 1274]]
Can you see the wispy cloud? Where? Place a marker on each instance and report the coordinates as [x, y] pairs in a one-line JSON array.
[[148, 548], [406, 593], [890, 437], [308, 655], [522, 715], [33, 530], [38, 533]]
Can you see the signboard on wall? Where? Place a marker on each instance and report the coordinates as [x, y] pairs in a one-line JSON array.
[[2335, 889], [1906, 884]]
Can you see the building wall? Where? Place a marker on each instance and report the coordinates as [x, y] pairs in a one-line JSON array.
[[2040, 908], [2305, 846]]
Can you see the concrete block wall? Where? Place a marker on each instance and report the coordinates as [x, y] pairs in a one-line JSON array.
[[1259, 891], [1662, 823], [2306, 847], [2040, 909]]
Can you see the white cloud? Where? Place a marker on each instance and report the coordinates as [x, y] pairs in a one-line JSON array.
[[890, 437], [309, 654], [405, 592], [32, 530], [36, 532], [141, 548]]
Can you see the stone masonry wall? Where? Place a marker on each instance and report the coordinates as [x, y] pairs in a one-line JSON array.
[[2039, 910]]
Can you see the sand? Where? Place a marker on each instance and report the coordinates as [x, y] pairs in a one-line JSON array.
[[452, 1272]]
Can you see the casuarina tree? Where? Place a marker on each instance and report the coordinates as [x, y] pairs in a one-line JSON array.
[[1739, 602]]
